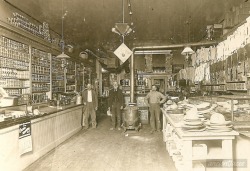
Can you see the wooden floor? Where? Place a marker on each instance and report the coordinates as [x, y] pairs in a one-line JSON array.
[[103, 150]]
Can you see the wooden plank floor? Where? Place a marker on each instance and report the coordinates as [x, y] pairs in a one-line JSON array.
[[103, 150]]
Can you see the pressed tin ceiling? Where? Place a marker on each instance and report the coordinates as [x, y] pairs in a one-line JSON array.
[[88, 23]]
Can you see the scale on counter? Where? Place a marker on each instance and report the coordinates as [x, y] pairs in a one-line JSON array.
[[6, 100]]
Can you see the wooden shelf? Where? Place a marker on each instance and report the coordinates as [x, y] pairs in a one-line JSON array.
[[15, 87], [152, 73]]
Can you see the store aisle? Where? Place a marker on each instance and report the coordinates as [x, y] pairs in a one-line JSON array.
[[103, 150]]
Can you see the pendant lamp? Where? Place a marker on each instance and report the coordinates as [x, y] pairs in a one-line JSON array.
[[187, 51], [62, 43]]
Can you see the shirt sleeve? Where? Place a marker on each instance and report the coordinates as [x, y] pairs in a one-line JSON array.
[[163, 98], [146, 98]]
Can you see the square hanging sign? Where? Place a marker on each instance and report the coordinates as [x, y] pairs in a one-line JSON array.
[[123, 52]]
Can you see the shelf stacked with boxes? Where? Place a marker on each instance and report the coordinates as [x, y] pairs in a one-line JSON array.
[[70, 76], [214, 87], [14, 68], [241, 85], [57, 76], [79, 77], [143, 108], [40, 75]]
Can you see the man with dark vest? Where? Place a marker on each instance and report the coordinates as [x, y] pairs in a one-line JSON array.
[[116, 102], [90, 101]]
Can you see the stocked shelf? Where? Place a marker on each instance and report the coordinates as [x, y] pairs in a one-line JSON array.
[[14, 66], [15, 87], [40, 70], [27, 70]]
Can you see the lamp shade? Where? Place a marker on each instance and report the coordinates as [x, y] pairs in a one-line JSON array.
[[62, 56], [70, 48], [187, 51], [83, 55]]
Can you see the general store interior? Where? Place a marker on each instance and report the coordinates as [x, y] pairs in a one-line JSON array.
[[197, 53]]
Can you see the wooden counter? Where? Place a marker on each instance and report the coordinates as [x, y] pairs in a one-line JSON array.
[[181, 145], [47, 132]]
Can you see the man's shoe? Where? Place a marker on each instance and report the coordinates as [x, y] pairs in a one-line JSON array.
[[111, 129], [119, 128]]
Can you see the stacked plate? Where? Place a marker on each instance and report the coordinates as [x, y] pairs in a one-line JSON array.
[[192, 122], [217, 123], [193, 125]]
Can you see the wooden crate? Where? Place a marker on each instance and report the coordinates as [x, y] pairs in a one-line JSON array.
[[144, 115]]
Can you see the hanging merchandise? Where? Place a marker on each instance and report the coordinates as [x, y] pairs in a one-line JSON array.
[[241, 54], [213, 53], [247, 48], [234, 59], [248, 67]]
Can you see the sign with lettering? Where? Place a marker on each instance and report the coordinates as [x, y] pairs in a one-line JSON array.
[[25, 141], [123, 52]]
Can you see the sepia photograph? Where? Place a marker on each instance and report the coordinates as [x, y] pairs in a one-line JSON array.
[[125, 85]]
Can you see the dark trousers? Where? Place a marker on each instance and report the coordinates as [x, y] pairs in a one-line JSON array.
[[155, 113], [116, 115], [90, 110]]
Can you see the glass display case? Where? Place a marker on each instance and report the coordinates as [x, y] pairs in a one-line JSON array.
[[12, 112], [235, 108]]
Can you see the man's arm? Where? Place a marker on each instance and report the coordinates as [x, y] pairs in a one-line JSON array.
[[110, 99], [163, 98], [96, 99], [146, 99]]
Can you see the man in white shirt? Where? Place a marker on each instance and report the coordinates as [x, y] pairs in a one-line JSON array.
[[90, 101], [154, 99]]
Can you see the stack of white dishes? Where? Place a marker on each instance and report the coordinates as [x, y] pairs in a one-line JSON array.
[[218, 123], [192, 122]]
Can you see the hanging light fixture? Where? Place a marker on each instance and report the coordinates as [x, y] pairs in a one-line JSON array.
[[123, 29], [187, 52], [62, 56]]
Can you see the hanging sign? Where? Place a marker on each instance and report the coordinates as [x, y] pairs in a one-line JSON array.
[[123, 52], [25, 141]]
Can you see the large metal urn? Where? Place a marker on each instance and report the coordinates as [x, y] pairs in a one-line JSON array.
[[131, 118]]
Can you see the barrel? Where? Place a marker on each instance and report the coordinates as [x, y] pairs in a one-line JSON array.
[[130, 117]]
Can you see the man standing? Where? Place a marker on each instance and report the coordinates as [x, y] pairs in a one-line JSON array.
[[116, 102], [153, 99], [90, 101]]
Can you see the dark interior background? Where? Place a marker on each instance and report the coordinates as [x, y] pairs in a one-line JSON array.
[[88, 23]]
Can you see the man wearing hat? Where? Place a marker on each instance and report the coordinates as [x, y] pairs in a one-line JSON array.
[[116, 103], [154, 99]]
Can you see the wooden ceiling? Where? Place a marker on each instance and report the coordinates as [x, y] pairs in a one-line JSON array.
[[88, 23]]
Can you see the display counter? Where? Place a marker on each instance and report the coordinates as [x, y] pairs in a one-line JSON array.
[[48, 129], [195, 150]]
